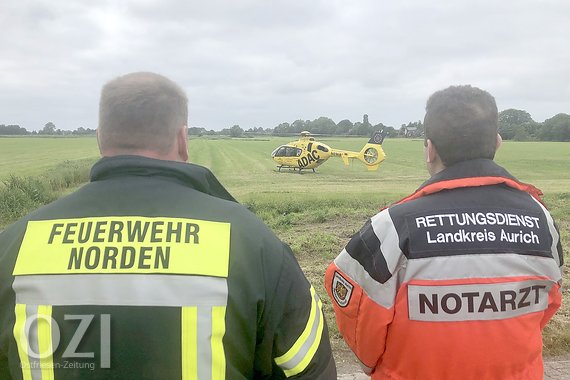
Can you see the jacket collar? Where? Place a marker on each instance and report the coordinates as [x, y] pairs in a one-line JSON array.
[[480, 167], [472, 173], [191, 175]]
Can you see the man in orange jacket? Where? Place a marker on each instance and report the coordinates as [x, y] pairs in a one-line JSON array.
[[457, 280]]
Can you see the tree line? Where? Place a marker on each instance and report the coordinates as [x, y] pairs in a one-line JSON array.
[[49, 129], [513, 125], [518, 125], [322, 125]]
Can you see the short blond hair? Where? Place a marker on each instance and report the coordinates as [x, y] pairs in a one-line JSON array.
[[141, 111]]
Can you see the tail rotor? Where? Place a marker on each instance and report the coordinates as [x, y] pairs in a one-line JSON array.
[[372, 153]]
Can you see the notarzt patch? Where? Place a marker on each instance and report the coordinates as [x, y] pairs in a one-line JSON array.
[[341, 290], [477, 301]]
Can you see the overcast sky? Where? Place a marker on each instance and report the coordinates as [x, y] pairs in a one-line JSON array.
[[258, 63]]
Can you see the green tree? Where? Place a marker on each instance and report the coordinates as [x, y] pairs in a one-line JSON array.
[[343, 127], [379, 127], [512, 121], [299, 126], [196, 131], [391, 132], [12, 130], [321, 125], [236, 131], [282, 128], [48, 129], [522, 135], [556, 128]]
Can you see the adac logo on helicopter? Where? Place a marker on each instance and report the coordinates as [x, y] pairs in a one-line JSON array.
[[307, 153], [312, 156]]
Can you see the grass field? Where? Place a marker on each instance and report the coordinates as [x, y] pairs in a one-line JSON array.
[[30, 156], [316, 213]]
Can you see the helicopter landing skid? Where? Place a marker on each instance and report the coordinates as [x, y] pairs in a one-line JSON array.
[[292, 167]]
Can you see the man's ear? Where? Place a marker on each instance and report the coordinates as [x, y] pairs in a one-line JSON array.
[[98, 141], [434, 163], [431, 152], [182, 141], [499, 142]]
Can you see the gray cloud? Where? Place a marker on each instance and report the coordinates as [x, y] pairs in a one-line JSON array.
[[259, 63]]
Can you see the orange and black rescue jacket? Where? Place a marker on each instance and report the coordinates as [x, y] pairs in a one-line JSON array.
[[455, 281]]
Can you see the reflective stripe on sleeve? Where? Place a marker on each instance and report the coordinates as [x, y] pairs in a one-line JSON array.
[[389, 240], [301, 353]]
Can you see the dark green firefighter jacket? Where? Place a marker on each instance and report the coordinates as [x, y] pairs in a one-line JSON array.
[[154, 271]]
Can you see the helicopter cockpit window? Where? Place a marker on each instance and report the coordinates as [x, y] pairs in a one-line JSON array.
[[293, 152], [286, 151], [322, 148], [280, 152]]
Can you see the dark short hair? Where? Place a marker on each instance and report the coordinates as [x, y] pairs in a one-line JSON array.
[[462, 122], [141, 111]]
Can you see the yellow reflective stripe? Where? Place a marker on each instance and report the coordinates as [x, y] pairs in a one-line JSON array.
[[301, 340], [22, 340], [309, 356], [189, 322], [315, 315], [218, 331], [44, 341]]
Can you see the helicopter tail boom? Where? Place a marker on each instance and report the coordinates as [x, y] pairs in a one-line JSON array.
[[370, 155]]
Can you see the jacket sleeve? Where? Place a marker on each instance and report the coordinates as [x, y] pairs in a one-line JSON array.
[[362, 283], [297, 328]]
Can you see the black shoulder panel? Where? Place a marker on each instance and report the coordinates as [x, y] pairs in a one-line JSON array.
[[475, 220], [364, 247]]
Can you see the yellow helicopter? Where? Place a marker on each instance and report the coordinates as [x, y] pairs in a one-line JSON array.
[[306, 153]]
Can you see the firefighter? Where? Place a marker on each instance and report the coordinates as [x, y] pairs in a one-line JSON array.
[[153, 270], [457, 280]]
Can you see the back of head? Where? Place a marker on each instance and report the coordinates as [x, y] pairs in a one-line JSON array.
[[141, 112], [462, 123]]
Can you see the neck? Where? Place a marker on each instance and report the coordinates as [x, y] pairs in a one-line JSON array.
[[170, 156], [436, 167]]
